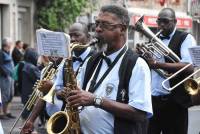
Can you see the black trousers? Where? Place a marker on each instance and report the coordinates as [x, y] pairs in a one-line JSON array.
[[168, 118]]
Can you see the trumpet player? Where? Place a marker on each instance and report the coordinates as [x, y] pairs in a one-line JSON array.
[[78, 33], [170, 108]]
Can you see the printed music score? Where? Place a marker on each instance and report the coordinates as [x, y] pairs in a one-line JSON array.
[[50, 43], [195, 55]]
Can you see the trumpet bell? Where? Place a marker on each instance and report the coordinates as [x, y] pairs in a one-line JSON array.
[[50, 96], [191, 86]]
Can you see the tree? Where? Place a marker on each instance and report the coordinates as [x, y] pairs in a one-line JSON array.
[[58, 14]]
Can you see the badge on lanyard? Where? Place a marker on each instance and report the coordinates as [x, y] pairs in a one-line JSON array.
[[123, 93], [109, 88]]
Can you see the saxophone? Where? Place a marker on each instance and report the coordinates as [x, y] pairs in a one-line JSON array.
[[67, 121]]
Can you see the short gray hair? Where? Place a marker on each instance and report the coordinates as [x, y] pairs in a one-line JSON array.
[[5, 41], [119, 11]]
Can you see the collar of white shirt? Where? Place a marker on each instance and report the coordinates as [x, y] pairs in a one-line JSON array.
[[84, 54], [114, 55]]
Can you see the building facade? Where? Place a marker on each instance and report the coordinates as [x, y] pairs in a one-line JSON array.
[[150, 10], [194, 11], [16, 20]]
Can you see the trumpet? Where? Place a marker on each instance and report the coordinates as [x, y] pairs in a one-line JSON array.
[[48, 74], [155, 47], [49, 97]]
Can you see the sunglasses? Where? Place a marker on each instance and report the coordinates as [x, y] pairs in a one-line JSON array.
[[106, 25], [163, 20]]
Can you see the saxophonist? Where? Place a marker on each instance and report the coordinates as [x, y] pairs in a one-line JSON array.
[[78, 33], [114, 85]]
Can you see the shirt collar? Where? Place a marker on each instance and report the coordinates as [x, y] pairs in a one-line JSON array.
[[84, 54], [114, 55]]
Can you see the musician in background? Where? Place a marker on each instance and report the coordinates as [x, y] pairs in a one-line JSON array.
[[78, 33], [170, 108], [119, 102]]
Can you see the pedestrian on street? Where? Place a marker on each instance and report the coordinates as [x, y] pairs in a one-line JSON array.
[[6, 81]]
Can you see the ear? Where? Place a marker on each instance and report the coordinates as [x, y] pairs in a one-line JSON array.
[[123, 28], [175, 21]]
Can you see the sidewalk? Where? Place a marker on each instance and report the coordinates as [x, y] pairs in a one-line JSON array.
[[16, 108]]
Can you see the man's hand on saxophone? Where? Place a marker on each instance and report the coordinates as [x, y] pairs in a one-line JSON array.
[[77, 97], [80, 97]]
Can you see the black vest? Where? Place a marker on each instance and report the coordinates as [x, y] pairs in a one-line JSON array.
[[179, 94], [121, 126]]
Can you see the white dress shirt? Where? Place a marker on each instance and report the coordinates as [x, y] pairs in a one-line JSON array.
[[157, 88], [97, 121], [59, 80]]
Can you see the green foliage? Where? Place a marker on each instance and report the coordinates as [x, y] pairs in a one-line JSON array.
[[58, 14]]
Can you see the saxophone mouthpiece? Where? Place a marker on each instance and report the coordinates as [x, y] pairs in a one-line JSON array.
[[93, 41]]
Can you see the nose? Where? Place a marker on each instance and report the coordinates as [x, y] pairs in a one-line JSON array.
[[73, 39], [162, 24], [98, 28]]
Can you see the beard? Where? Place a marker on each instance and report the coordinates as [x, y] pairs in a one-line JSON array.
[[101, 47]]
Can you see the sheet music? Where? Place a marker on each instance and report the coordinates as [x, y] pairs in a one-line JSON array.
[[195, 55], [52, 43]]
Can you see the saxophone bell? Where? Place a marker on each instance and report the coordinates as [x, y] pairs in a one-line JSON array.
[[67, 121]]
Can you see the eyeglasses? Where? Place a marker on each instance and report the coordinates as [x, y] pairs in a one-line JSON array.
[[163, 20], [106, 25]]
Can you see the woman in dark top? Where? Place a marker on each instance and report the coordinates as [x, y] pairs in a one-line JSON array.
[[30, 74]]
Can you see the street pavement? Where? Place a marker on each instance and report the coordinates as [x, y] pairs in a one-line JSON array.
[[16, 107]]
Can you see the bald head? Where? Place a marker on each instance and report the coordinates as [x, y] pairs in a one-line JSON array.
[[166, 21], [79, 27], [167, 13], [79, 33]]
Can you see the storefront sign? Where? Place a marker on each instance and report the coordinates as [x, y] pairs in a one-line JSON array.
[[151, 21]]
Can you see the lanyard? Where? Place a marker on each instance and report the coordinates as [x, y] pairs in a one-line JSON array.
[[94, 85]]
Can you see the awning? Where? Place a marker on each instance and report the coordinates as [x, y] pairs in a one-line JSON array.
[[150, 16]]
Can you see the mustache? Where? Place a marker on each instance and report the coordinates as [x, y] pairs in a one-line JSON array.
[[100, 39]]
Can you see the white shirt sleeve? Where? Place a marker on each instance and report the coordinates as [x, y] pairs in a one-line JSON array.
[[187, 43], [58, 84], [140, 87]]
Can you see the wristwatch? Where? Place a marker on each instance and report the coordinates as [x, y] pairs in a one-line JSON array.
[[98, 101]]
